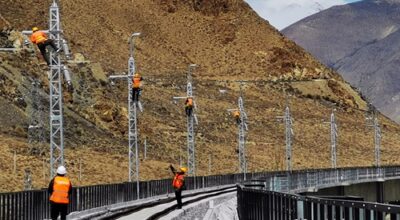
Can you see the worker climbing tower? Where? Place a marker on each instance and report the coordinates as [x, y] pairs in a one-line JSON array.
[[56, 102], [190, 126], [243, 128], [191, 120], [133, 105]]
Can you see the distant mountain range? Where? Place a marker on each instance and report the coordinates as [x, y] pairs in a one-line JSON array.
[[362, 42]]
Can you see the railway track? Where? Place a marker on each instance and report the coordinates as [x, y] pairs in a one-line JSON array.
[[158, 209]]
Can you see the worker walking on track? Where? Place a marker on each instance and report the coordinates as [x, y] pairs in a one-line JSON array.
[[60, 190], [189, 106], [42, 41], [178, 183], [136, 87]]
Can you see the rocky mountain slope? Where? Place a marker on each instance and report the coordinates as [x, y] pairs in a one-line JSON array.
[[228, 41], [360, 41]]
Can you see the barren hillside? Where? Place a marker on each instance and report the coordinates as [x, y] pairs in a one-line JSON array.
[[359, 40], [229, 42]]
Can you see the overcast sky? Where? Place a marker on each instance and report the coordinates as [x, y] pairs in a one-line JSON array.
[[282, 13]]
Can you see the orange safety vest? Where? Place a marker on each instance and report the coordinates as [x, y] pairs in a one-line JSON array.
[[189, 102], [236, 114], [38, 37], [60, 190], [136, 82], [178, 181]]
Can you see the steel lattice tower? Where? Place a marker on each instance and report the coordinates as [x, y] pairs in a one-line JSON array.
[[288, 137], [191, 120], [132, 109], [377, 140], [334, 136], [374, 122], [133, 132], [242, 128], [56, 104], [190, 126], [28, 180], [242, 137], [36, 125]]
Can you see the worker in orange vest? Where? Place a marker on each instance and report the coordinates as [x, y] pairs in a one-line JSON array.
[[178, 183], [136, 87], [189, 106], [236, 115], [42, 41], [60, 189]]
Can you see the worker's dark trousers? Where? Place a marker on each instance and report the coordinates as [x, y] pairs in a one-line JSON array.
[[188, 110], [238, 121], [42, 48], [178, 196], [58, 209], [135, 94]]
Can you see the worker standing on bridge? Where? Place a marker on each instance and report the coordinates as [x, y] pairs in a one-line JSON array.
[[42, 41], [136, 87], [60, 189], [178, 183], [189, 106]]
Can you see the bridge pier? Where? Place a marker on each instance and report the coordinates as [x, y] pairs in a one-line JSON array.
[[380, 192]]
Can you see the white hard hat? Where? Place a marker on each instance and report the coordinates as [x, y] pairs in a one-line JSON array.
[[61, 170]]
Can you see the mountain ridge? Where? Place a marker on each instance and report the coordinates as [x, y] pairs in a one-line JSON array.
[[359, 30]]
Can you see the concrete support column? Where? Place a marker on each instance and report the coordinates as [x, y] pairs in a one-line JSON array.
[[380, 192]]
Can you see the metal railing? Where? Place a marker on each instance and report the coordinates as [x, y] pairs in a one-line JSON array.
[[257, 204], [301, 180], [272, 196], [34, 204]]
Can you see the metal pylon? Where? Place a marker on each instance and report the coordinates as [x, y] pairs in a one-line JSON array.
[[242, 129], [288, 137], [191, 120], [190, 138], [133, 132], [288, 134], [36, 124], [133, 106], [377, 140], [373, 121], [334, 136], [28, 180], [56, 104], [242, 138], [190, 127]]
